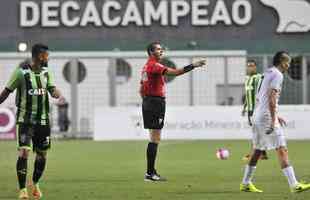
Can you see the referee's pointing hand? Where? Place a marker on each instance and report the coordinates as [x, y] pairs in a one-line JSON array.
[[200, 63]]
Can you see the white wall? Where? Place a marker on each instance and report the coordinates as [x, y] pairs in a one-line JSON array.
[[199, 122]]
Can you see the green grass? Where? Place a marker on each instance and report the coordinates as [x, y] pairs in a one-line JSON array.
[[114, 170]]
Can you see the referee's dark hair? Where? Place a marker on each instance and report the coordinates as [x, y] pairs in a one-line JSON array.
[[151, 47], [279, 57], [252, 61], [37, 49]]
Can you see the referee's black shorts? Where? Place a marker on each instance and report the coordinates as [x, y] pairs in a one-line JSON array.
[[153, 111]]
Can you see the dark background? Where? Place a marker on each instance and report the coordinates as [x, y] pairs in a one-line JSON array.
[[259, 36]]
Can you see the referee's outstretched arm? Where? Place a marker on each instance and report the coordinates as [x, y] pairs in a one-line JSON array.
[[188, 68]]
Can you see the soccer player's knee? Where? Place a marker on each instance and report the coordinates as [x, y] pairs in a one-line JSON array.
[[257, 154], [41, 155], [24, 153], [155, 136], [155, 139], [282, 152], [254, 158], [253, 161]]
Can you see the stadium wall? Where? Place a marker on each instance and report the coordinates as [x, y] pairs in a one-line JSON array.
[[105, 86], [199, 122]]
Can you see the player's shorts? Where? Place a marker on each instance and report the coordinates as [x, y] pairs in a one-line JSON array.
[[153, 111], [263, 141], [37, 136]]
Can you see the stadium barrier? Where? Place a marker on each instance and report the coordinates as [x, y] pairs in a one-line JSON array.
[[111, 79], [199, 122], [91, 79]]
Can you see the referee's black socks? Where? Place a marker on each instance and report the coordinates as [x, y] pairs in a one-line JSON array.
[[151, 153], [21, 168]]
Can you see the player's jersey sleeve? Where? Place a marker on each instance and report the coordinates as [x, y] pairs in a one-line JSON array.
[[15, 80], [50, 81], [276, 82], [158, 68]]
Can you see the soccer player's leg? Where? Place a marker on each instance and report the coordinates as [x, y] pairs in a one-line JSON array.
[[247, 157], [41, 143], [247, 185], [264, 155], [289, 172], [24, 134]]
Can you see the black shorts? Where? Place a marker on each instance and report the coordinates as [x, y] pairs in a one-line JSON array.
[[37, 136], [153, 111]]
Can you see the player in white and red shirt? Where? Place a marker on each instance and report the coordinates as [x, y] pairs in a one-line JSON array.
[[267, 126]]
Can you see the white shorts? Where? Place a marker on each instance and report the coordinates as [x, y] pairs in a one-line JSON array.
[[262, 141]]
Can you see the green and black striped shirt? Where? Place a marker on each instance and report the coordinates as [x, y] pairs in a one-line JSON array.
[[32, 94], [251, 85]]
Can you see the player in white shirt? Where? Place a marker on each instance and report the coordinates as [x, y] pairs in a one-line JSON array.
[[267, 126]]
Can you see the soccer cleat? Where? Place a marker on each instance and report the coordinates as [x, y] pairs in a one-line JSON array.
[[36, 192], [23, 194], [300, 187], [249, 188], [154, 177]]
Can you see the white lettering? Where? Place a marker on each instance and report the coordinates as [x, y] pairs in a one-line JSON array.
[[37, 92], [114, 13], [198, 13], [65, 8], [179, 8], [109, 5], [220, 14], [150, 13], [49, 13], [237, 5], [91, 15], [29, 6], [132, 15]]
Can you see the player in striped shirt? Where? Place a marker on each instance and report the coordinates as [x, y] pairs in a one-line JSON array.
[[253, 80], [33, 82]]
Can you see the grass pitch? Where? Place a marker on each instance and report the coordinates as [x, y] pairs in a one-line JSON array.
[[91, 170]]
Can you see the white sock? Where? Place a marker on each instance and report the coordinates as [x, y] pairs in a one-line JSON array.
[[248, 174], [290, 175]]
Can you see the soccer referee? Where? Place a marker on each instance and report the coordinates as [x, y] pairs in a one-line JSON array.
[[253, 80], [33, 82], [152, 91]]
